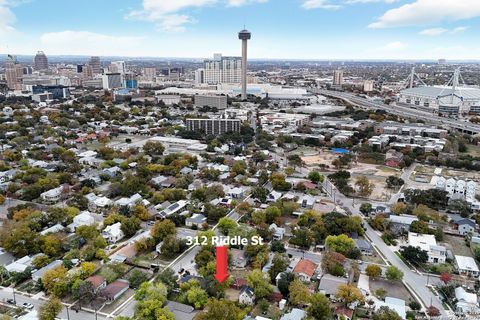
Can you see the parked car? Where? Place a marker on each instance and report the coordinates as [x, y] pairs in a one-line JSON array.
[[28, 306], [11, 301]]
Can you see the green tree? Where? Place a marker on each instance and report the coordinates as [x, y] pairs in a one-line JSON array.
[[260, 193], [315, 177], [414, 255], [163, 228], [153, 148], [342, 244], [221, 310], [299, 293], [137, 277], [260, 283], [226, 224], [284, 283], [385, 313], [279, 264], [393, 274], [366, 208], [170, 246], [319, 307], [50, 309]]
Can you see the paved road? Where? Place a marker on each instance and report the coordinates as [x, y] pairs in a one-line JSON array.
[[402, 111], [81, 315], [416, 282], [185, 261]]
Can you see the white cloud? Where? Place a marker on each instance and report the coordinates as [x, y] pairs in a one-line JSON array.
[[370, 1], [438, 31], [87, 43], [394, 46], [433, 31], [239, 3], [320, 4], [459, 30], [170, 16], [424, 12], [7, 17]]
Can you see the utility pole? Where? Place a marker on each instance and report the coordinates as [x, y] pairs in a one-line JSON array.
[[14, 298], [68, 314]]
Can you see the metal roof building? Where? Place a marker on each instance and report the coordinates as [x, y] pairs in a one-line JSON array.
[[466, 98]]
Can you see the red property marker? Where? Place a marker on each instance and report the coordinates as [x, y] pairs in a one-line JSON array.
[[222, 273]]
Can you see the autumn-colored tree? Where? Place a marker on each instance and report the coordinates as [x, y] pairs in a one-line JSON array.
[[446, 277], [349, 294], [373, 271], [299, 293], [50, 309]]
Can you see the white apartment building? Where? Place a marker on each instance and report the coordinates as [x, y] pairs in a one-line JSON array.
[[427, 242], [222, 70], [219, 102], [457, 189]]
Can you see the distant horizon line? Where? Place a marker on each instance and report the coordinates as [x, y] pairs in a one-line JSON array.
[[250, 59]]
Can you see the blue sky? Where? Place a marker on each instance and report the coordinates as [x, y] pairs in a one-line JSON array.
[[289, 29]]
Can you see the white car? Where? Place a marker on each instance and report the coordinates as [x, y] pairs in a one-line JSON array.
[[28, 306]]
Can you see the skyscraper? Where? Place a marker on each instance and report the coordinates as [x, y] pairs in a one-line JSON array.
[[338, 77], [244, 35], [222, 70], [13, 73], [112, 81], [95, 64], [118, 66], [40, 62]]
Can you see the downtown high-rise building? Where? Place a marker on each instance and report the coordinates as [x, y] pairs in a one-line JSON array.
[[112, 81], [118, 66], [222, 70], [13, 73], [95, 64], [40, 62], [150, 73], [338, 77]]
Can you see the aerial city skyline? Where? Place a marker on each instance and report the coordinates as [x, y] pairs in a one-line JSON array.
[[292, 29], [239, 160]]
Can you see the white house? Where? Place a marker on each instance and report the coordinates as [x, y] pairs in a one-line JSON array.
[[466, 266], [466, 302], [306, 201], [235, 193], [84, 218], [246, 296], [278, 232], [96, 203], [52, 195], [129, 202], [427, 242], [113, 233], [274, 196]]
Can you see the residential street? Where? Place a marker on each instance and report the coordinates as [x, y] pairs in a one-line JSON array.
[[7, 293], [416, 282]]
